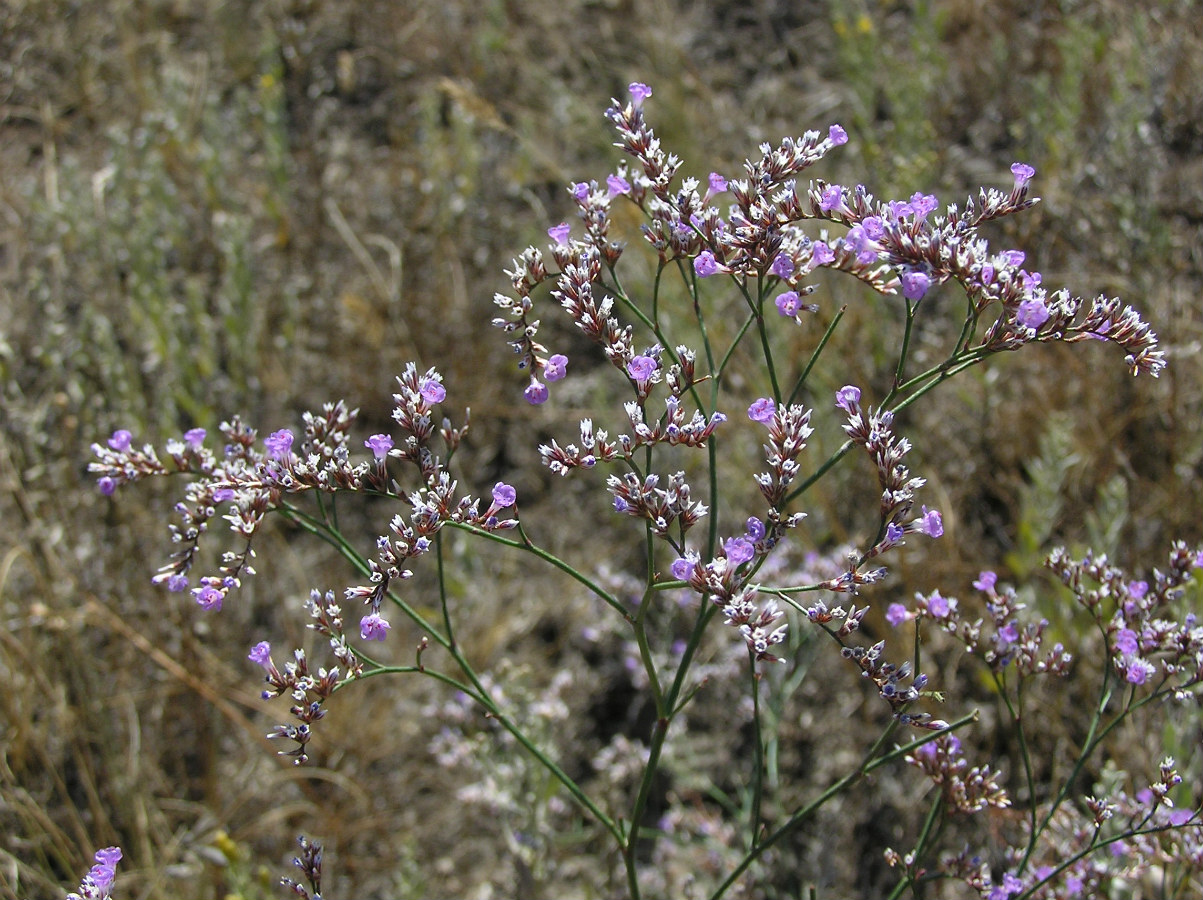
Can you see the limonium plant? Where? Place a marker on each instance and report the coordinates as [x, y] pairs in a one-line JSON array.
[[735, 258]]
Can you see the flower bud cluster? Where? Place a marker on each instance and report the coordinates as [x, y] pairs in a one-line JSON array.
[[965, 789], [643, 498], [889, 679], [308, 692]]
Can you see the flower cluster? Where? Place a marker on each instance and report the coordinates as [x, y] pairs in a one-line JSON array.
[[1147, 643], [964, 789], [98, 883]]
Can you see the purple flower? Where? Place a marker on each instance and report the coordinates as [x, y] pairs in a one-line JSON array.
[[102, 874], [847, 397], [621, 505], [832, 197], [894, 533], [261, 654], [1014, 257], [783, 266], [120, 440], [931, 523], [923, 204], [705, 264], [432, 390], [1180, 817], [739, 550], [1139, 671], [107, 485], [641, 368], [762, 410], [177, 583], [380, 445], [504, 495], [755, 530], [278, 443], [788, 304], [1125, 641], [986, 581], [639, 93], [896, 614], [616, 184], [821, 254], [556, 364], [682, 569], [1010, 886], [915, 285], [221, 495], [718, 184], [938, 605], [373, 627], [580, 191], [209, 597], [1137, 589], [559, 233], [1032, 314], [195, 437], [1023, 173], [837, 135], [536, 392], [1008, 634]]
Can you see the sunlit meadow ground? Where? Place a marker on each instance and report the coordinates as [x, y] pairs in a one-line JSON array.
[[209, 208]]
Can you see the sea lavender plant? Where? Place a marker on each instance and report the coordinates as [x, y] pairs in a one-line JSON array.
[[745, 251]]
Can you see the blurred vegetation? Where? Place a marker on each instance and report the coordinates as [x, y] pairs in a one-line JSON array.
[[210, 208]]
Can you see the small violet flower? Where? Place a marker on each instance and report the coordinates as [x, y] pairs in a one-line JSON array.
[[177, 583], [705, 264], [616, 184], [847, 397], [821, 254], [559, 233], [1125, 641], [373, 627], [832, 197], [639, 93], [755, 529], [986, 581], [789, 304], [120, 441], [380, 445], [762, 410], [261, 654], [1032, 314], [1023, 173], [641, 368], [739, 550], [682, 569], [931, 523], [504, 495], [209, 597], [195, 437], [555, 368], [432, 390], [837, 135], [718, 184], [783, 266], [106, 485], [915, 285], [535, 393], [896, 614], [1139, 671], [279, 443]]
